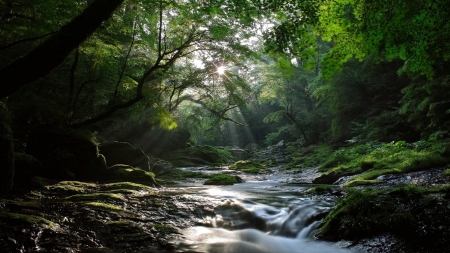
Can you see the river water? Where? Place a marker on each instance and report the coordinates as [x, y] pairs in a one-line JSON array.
[[260, 216]]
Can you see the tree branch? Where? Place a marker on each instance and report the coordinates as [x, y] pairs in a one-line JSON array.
[[126, 60], [25, 40], [54, 50], [220, 115]]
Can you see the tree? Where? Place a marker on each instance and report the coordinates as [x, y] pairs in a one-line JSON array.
[[56, 48], [414, 31]]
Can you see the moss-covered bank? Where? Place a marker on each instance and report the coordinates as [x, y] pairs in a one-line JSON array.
[[419, 216]]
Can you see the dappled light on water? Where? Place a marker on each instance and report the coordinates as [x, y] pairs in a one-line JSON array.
[[260, 217]]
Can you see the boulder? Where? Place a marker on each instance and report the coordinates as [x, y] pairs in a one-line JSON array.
[[162, 167], [251, 147], [239, 154], [123, 153], [330, 177], [126, 173], [66, 154]]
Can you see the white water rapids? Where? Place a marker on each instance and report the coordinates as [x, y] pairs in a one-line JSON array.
[[260, 217]]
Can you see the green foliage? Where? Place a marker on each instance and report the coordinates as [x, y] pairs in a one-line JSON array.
[[376, 159], [425, 104], [309, 156], [360, 28]]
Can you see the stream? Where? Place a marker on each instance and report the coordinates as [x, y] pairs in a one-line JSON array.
[[259, 216], [262, 214]]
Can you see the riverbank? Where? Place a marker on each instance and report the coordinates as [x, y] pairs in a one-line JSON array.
[[399, 212]]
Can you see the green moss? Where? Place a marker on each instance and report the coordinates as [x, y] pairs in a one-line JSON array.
[[125, 186], [446, 172], [320, 189], [361, 182], [72, 187], [123, 173], [103, 206], [222, 179], [165, 229], [96, 197], [376, 159], [365, 213], [310, 156], [368, 212], [248, 167], [17, 218]]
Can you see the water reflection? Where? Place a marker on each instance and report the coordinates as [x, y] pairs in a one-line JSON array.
[[260, 217]]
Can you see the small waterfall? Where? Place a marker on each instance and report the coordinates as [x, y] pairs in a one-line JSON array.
[[262, 223]]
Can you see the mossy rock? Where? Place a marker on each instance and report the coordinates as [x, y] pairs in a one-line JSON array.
[[27, 220], [223, 179], [123, 153], [198, 155], [103, 207], [66, 154], [126, 173], [71, 187], [125, 186], [248, 167], [100, 196], [162, 167], [401, 211], [331, 177]]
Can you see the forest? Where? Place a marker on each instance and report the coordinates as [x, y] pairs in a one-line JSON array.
[[358, 90]]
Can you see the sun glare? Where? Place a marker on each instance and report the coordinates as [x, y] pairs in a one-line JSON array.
[[221, 70]]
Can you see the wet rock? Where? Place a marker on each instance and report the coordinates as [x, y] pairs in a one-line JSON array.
[[123, 153], [223, 179], [126, 173], [162, 167], [239, 154], [98, 218], [330, 178], [251, 147]]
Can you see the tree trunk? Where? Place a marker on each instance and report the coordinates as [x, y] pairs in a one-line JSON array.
[[44, 58]]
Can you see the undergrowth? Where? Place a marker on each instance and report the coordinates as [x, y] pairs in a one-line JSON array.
[[374, 159]]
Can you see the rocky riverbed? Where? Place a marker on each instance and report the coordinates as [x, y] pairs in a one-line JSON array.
[[73, 216]]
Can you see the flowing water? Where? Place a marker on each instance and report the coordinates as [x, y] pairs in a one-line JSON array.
[[260, 216]]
